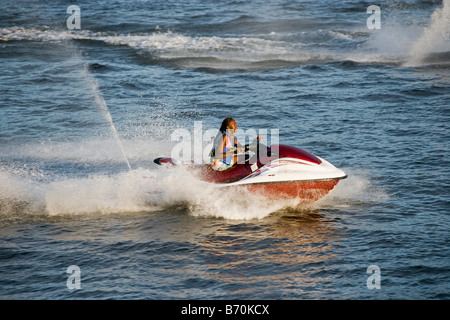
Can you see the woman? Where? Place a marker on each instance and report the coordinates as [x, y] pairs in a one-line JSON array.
[[225, 148]]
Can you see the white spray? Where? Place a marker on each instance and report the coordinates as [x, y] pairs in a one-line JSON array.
[[435, 38], [93, 84]]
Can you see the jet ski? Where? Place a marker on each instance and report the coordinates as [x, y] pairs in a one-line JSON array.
[[277, 172]]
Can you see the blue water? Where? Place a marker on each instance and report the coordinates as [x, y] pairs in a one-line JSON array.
[[77, 105]]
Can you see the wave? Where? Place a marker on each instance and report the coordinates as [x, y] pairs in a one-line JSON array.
[[395, 45], [212, 52], [182, 50]]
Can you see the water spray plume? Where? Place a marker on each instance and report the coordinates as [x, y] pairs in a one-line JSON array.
[[435, 38], [93, 84]]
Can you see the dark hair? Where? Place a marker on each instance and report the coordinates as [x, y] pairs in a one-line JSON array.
[[225, 124]]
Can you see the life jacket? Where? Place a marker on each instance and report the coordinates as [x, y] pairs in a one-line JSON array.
[[230, 146]]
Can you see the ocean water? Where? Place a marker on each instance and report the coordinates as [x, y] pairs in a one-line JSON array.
[[83, 113]]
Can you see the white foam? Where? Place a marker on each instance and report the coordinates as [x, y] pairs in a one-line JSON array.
[[17, 193], [214, 51], [99, 194], [140, 190], [391, 45], [356, 189]]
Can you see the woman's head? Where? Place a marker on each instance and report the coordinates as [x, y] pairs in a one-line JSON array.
[[228, 123]]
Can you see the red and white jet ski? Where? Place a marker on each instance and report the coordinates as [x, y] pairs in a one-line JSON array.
[[283, 172]]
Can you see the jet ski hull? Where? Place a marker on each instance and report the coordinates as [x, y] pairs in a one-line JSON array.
[[291, 174], [307, 191]]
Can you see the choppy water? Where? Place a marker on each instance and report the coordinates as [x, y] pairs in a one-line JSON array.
[[375, 103]]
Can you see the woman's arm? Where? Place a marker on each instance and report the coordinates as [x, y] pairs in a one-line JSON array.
[[239, 146]]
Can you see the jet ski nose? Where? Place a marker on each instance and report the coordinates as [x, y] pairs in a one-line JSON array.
[[163, 160]]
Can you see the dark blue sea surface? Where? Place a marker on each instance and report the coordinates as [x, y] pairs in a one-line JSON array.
[[81, 107]]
